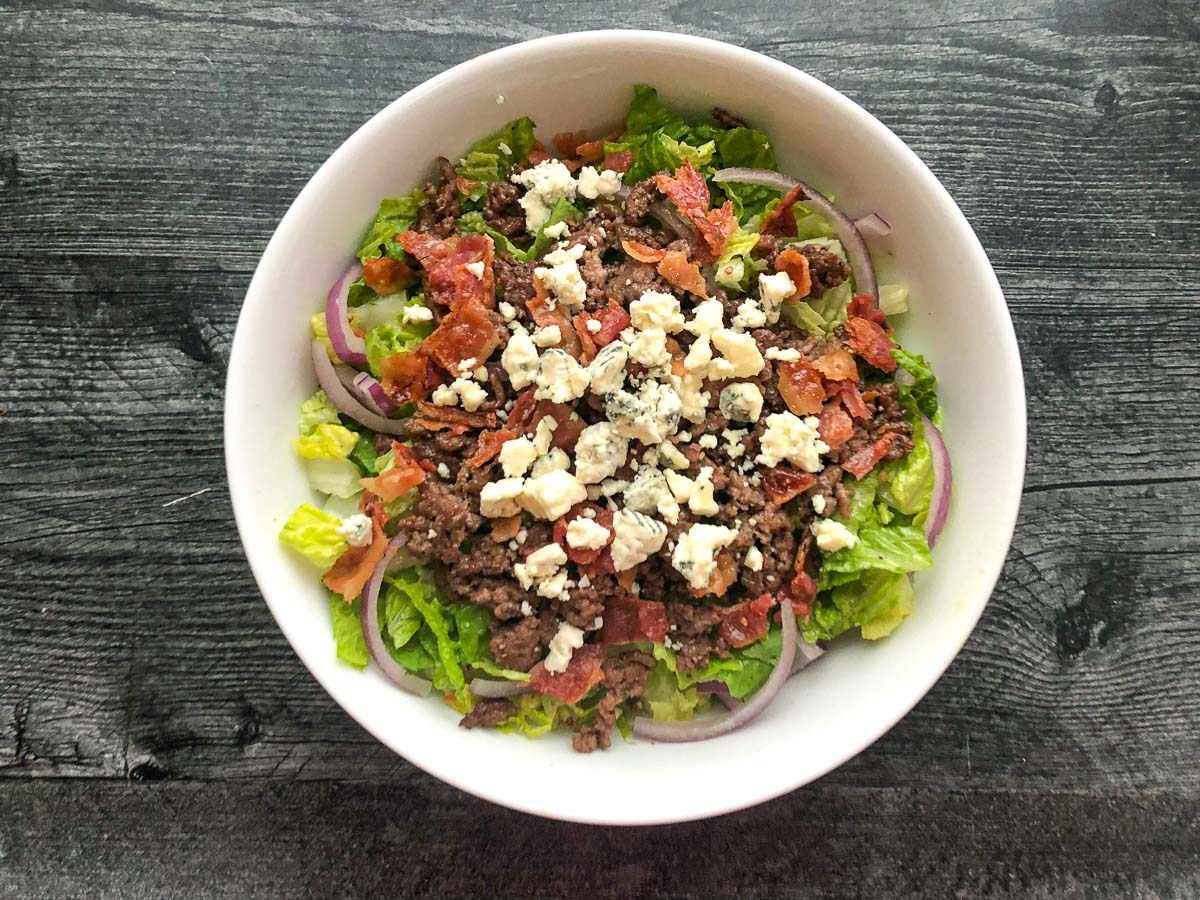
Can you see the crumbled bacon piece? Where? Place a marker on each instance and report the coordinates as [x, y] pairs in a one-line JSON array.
[[852, 399], [800, 387], [642, 253], [591, 151], [683, 274], [457, 421], [584, 555], [567, 429], [867, 458], [522, 409], [837, 366], [716, 226], [445, 262], [613, 320], [688, 190], [783, 483], [619, 162], [407, 376], [722, 578], [746, 623], [871, 342], [353, 569], [506, 529], [780, 221], [489, 446], [628, 620], [405, 474], [866, 307], [537, 156], [835, 428], [567, 143], [801, 592], [545, 312], [583, 672], [385, 275], [467, 332], [795, 263]]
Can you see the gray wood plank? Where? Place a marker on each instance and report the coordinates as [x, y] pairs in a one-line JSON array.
[[413, 838]]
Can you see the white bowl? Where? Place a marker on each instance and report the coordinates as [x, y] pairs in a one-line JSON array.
[[959, 320]]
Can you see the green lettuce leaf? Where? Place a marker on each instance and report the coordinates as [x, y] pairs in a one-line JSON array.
[[906, 484], [921, 395], [313, 533], [563, 210], [492, 158], [326, 441], [893, 299], [394, 337], [347, 631], [752, 149], [666, 700], [321, 332], [317, 410], [876, 603], [537, 715], [395, 214], [336, 477], [647, 113]]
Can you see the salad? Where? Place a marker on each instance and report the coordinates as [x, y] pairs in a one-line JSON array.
[[615, 434]]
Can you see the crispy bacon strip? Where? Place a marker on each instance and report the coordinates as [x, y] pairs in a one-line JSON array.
[[868, 458], [545, 313], [795, 263], [835, 428], [489, 446], [567, 143], [583, 672], [385, 275], [837, 366], [871, 342], [458, 421], [800, 387], [642, 253], [780, 220], [783, 483], [450, 283], [353, 569], [629, 620], [688, 190], [722, 578], [407, 376], [590, 151], [467, 332], [619, 162], [745, 623], [867, 307], [683, 274]]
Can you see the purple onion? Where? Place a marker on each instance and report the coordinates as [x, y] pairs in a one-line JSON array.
[[873, 225], [486, 687], [943, 482], [348, 346], [368, 389], [335, 389], [394, 672]]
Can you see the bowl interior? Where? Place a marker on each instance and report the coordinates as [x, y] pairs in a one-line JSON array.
[[959, 321]]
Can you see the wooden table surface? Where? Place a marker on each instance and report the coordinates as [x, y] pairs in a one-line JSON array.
[[159, 739]]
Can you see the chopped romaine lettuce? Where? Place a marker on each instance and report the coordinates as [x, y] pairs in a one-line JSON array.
[[317, 410], [336, 477], [313, 533], [326, 441], [893, 299], [347, 631], [395, 214], [492, 158], [907, 485], [394, 337], [921, 395]]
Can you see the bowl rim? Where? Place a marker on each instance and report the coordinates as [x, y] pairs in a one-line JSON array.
[[650, 41]]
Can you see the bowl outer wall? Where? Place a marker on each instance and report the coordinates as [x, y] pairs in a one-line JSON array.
[[959, 320]]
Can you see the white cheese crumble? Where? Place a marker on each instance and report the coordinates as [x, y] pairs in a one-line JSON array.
[[791, 354], [443, 470], [818, 504], [562, 647], [593, 184], [547, 337], [461, 390], [499, 498], [749, 315], [734, 447], [475, 268], [695, 553], [556, 460], [654, 309], [708, 441], [753, 560], [594, 326], [649, 416], [520, 360], [546, 183], [543, 434], [649, 493], [551, 495], [507, 310], [681, 486], [416, 314], [740, 351], [791, 438], [557, 230], [832, 536], [561, 276], [560, 377], [670, 455], [635, 538], [693, 402], [701, 502], [607, 370], [648, 347], [741, 402], [773, 290], [599, 452], [587, 533], [356, 530]]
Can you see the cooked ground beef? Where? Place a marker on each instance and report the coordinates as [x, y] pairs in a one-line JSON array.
[[488, 714], [519, 645], [825, 268], [501, 210], [624, 678], [437, 216]]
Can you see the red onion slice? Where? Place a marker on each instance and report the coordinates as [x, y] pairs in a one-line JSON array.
[[856, 248], [714, 726], [339, 396], [943, 481], [720, 690], [346, 344], [373, 396], [873, 225], [671, 220], [486, 687], [805, 654], [395, 672]]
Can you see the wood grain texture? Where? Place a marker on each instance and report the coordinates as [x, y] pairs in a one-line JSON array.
[[147, 149]]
